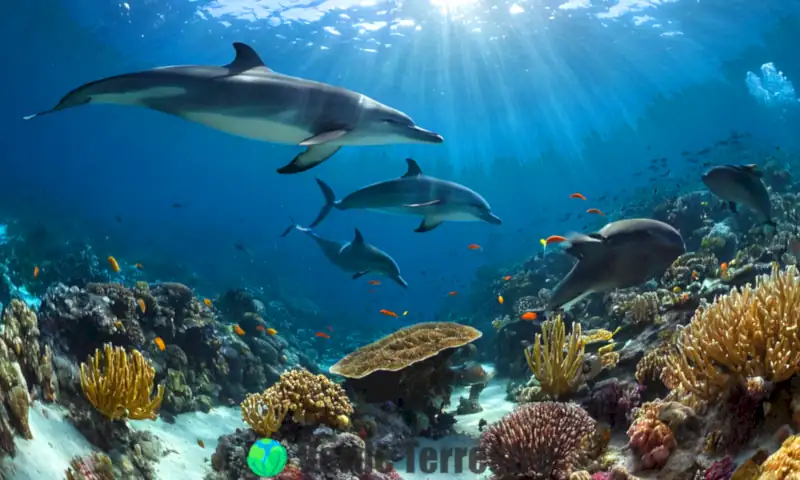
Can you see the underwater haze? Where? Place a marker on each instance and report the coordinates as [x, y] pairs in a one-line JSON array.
[[564, 115]]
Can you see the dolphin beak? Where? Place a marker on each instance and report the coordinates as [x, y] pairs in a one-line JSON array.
[[491, 218], [419, 134]]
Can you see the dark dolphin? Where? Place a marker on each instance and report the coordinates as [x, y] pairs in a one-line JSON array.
[[622, 254], [247, 99], [417, 194]]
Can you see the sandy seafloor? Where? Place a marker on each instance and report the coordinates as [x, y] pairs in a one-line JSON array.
[[55, 441]]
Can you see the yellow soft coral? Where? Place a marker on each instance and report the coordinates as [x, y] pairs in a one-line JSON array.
[[557, 359], [120, 386], [785, 463], [311, 399], [262, 414], [741, 336]]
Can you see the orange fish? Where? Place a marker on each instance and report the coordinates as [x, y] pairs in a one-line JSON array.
[[578, 196], [374, 282], [112, 262], [723, 266], [453, 293], [200, 442], [694, 275], [500, 299], [142, 306], [207, 302], [261, 328], [160, 343], [473, 246], [238, 330], [595, 211], [272, 331], [507, 278], [323, 335], [388, 313], [139, 266], [35, 271], [555, 239], [528, 316]]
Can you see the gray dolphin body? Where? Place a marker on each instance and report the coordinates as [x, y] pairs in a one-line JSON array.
[[247, 99], [355, 256], [740, 184], [417, 194], [622, 254]]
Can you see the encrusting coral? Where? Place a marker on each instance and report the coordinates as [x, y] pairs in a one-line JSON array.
[[556, 359], [537, 440], [311, 399], [120, 386], [651, 438], [745, 335], [262, 414], [405, 347], [785, 463]]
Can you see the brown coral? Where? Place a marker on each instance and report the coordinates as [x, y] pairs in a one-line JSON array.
[[120, 387], [405, 347], [262, 414], [651, 438], [746, 334], [536, 441], [311, 399]]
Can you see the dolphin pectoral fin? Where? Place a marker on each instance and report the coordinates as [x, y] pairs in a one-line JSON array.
[[732, 206], [246, 59], [428, 224], [313, 156], [426, 204], [323, 137], [360, 274]]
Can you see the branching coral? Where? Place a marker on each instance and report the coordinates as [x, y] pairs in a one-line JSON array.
[[744, 335], [651, 438], [311, 399], [537, 441], [263, 414], [556, 359], [120, 387]]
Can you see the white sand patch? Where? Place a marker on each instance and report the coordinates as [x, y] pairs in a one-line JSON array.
[[492, 399], [189, 460], [55, 442]]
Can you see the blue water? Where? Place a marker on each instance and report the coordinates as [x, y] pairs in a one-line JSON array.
[[535, 99]]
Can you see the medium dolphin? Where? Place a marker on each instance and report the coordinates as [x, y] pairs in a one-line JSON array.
[[622, 254], [355, 256], [740, 184], [414, 194], [248, 99]]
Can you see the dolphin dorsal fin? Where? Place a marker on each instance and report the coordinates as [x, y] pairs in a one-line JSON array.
[[358, 239], [246, 58], [413, 168]]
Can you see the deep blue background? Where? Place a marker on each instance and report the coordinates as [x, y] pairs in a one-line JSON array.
[[533, 106]]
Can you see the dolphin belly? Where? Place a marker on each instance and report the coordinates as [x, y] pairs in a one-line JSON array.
[[256, 128]]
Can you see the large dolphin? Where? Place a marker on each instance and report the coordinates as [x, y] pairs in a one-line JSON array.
[[622, 254], [414, 194], [248, 99], [740, 184], [355, 256]]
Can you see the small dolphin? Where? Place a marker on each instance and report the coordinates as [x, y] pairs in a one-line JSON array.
[[740, 184], [622, 254], [355, 256], [414, 194], [247, 99]]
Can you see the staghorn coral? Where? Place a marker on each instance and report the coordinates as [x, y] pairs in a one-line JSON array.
[[556, 359], [651, 438], [783, 464], [405, 347], [121, 386], [311, 399], [747, 334], [262, 414], [537, 441]]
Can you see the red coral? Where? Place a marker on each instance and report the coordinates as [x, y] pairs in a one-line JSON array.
[[291, 472], [536, 441], [651, 438], [720, 470]]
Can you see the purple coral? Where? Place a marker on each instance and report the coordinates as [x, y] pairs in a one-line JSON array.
[[613, 401], [720, 470], [537, 440]]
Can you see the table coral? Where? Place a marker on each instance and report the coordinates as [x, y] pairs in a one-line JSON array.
[[311, 399], [536, 441], [120, 386], [746, 334]]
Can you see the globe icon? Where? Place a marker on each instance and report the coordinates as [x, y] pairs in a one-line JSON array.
[[267, 458]]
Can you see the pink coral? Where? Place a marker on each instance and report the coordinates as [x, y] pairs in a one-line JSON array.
[[651, 438], [536, 441], [720, 470]]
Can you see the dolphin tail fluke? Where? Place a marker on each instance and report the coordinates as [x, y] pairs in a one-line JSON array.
[[330, 202], [291, 227]]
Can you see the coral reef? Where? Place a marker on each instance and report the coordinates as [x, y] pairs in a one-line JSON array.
[[651, 438], [264, 415]]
